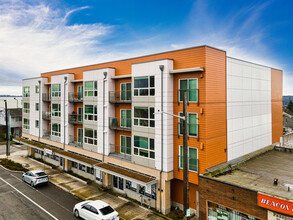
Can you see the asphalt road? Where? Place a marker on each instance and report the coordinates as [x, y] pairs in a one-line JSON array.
[[21, 201]]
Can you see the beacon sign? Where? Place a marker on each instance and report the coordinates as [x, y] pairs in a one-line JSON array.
[[275, 204]]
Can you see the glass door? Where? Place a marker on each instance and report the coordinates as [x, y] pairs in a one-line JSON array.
[[79, 92], [125, 118], [79, 135], [125, 91], [125, 142], [79, 114]]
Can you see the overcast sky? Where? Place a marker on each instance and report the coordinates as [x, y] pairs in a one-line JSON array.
[[40, 36]]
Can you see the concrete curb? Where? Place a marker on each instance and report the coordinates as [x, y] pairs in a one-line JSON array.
[[12, 171]]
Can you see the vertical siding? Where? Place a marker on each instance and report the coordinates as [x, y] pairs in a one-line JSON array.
[[277, 104]]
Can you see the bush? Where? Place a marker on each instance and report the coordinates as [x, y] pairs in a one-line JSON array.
[[11, 165]]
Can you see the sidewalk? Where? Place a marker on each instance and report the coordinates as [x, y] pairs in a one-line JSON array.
[[125, 208]]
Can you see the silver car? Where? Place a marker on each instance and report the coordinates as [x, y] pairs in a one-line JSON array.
[[35, 177]]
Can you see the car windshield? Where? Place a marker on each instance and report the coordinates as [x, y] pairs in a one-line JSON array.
[[106, 210], [41, 174]]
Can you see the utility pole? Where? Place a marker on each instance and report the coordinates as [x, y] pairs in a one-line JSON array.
[[7, 132], [185, 156]]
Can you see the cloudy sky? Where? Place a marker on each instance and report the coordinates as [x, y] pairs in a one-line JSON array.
[[38, 36]]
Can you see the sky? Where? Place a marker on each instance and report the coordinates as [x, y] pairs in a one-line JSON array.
[[38, 36]]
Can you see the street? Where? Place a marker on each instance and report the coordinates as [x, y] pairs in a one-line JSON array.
[[21, 201]]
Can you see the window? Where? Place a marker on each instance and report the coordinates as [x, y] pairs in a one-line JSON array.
[[125, 91], [118, 182], [17, 119], [144, 147], [26, 123], [90, 112], [125, 142], [90, 88], [191, 124], [37, 89], [144, 116], [26, 91], [56, 110], [144, 86], [192, 158], [36, 123], [56, 129], [37, 106], [26, 107], [90, 136], [125, 118], [56, 90], [189, 86]]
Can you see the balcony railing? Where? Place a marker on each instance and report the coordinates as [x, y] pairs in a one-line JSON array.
[[192, 96], [192, 130], [116, 151], [46, 97], [75, 119], [123, 124], [75, 97], [74, 141], [47, 134], [46, 115], [120, 96]]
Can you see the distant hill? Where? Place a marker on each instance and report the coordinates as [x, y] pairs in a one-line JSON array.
[[10, 96], [286, 99]]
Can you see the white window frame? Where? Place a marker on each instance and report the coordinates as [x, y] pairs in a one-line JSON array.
[[94, 138], [126, 91], [188, 90], [26, 91], [56, 113], [94, 115], [26, 125], [188, 113], [26, 107], [149, 150], [149, 120], [94, 90], [188, 159], [148, 88], [126, 118], [58, 132], [125, 136], [56, 93]]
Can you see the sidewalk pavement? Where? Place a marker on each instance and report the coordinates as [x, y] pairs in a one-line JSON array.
[[69, 183]]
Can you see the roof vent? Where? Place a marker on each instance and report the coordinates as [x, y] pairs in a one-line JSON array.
[[275, 181]]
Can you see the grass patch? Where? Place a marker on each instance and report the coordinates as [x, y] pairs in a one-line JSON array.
[[11, 165]]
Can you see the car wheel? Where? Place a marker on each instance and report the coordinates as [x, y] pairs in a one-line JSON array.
[[32, 184], [76, 214]]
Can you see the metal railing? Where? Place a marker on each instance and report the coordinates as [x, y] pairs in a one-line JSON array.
[[75, 119], [75, 97], [192, 130], [46, 115], [47, 134], [73, 141], [120, 96], [192, 95], [123, 124], [46, 97], [116, 152]]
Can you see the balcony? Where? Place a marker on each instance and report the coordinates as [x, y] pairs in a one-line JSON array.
[[47, 134], [122, 124], [75, 119], [116, 152], [192, 96], [46, 97], [46, 116], [120, 96], [192, 130], [75, 97], [74, 141]]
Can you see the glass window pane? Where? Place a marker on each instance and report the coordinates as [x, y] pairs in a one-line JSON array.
[[152, 144], [89, 85], [181, 157], [141, 112], [152, 155], [193, 159], [152, 110], [192, 126], [141, 82], [152, 81], [141, 142], [192, 93], [89, 109], [183, 87]]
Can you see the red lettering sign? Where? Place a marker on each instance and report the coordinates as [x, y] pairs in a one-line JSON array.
[[275, 204]]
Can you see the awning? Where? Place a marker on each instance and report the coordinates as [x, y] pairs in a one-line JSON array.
[[188, 70], [121, 77], [126, 174]]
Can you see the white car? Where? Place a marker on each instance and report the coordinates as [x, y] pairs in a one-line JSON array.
[[35, 177], [95, 210]]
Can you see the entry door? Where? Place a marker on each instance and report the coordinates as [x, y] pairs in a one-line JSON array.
[[125, 91], [79, 113], [79, 92], [79, 135], [125, 118]]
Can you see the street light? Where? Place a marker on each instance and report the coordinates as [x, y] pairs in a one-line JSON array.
[[16, 102]]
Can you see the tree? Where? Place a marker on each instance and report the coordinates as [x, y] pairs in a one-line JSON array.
[[290, 106]]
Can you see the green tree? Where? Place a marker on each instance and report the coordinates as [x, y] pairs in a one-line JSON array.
[[290, 106]]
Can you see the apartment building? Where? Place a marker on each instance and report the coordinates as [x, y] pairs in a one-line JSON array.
[[105, 113]]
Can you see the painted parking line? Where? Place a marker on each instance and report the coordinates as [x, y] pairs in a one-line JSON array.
[[29, 199]]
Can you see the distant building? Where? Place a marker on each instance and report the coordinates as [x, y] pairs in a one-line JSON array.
[[287, 122], [15, 120]]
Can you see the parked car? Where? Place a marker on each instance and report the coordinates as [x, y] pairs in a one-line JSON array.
[[95, 210], [35, 177]]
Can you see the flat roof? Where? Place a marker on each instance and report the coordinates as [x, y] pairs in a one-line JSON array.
[[258, 173]]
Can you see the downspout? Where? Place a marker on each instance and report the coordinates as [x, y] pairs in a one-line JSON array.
[[64, 133], [162, 138], [39, 109], [104, 81]]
